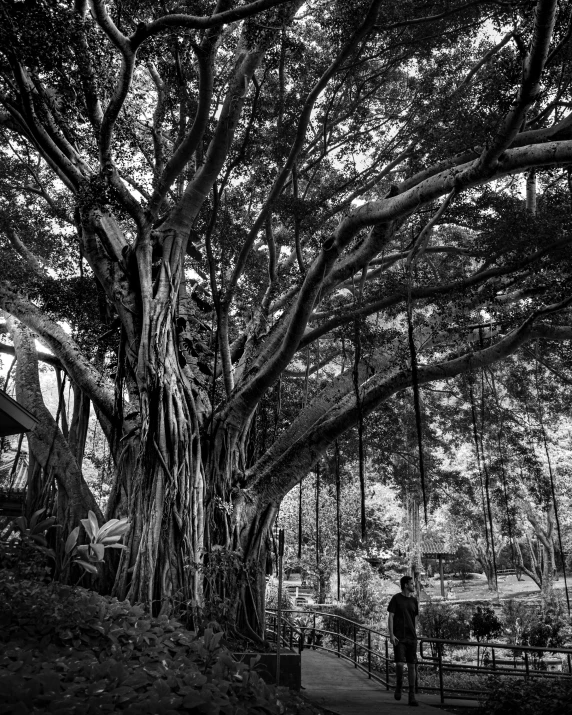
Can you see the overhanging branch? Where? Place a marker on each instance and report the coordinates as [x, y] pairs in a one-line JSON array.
[[273, 478]]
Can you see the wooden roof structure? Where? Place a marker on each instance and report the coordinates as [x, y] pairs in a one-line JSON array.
[[14, 419], [432, 548]]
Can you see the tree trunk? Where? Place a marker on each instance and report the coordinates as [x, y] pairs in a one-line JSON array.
[[50, 456], [543, 563], [484, 556], [161, 489], [488, 568], [79, 424], [414, 542], [532, 573]]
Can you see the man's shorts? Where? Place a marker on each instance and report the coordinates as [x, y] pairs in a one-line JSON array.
[[406, 650]]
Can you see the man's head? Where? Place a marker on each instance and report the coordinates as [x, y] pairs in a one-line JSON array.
[[406, 583]]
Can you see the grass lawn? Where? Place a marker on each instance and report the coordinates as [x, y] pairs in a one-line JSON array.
[[476, 589]]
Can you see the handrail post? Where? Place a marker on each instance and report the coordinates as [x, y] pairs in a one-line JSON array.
[[369, 654], [338, 636], [493, 656], [386, 663], [440, 659], [355, 646], [526, 663], [314, 636]]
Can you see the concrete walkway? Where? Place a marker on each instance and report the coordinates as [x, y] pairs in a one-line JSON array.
[[334, 684]]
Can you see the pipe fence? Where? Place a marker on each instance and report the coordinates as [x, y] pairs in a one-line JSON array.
[[446, 667]]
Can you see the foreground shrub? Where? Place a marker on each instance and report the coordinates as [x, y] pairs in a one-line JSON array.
[[550, 628], [485, 624], [347, 611], [517, 617], [533, 697], [443, 620], [68, 650]]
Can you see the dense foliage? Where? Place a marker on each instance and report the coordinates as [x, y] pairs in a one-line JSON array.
[[66, 649], [442, 620], [533, 697]]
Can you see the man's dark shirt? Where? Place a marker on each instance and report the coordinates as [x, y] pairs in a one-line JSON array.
[[404, 611]]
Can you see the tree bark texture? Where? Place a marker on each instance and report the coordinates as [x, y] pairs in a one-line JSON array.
[[541, 552]]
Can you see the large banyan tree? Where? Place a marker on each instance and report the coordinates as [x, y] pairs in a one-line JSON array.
[[242, 227]]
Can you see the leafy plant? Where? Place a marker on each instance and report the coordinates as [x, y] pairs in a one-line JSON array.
[[485, 624], [517, 617], [544, 632], [34, 533], [107, 536], [442, 620], [24, 547], [62, 648], [223, 573], [330, 622], [363, 595]]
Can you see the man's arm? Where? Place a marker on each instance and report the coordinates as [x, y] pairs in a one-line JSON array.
[[392, 638]]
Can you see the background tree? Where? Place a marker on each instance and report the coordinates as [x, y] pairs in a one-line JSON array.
[[318, 559]]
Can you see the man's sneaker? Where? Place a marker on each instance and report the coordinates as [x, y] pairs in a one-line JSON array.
[[412, 700], [397, 693]]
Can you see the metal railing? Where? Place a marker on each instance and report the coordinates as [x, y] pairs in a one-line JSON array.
[[439, 661]]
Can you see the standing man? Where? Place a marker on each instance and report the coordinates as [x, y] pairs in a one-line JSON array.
[[403, 612]]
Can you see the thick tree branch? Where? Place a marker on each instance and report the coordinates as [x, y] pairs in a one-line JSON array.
[[461, 177], [42, 357], [371, 183], [279, 349], [545, 16], [427, 292], [21, 248], [158, 118], [278, 472], [108, 26], [71, 175], [305, 114], [185, 212], [205, 59], [193, 22]]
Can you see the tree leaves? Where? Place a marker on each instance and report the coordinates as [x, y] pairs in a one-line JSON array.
[[71, 540]]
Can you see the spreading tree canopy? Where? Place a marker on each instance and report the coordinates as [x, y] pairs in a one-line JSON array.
[[261, 221]]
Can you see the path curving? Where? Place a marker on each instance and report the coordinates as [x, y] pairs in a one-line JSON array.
[[334, 684]]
